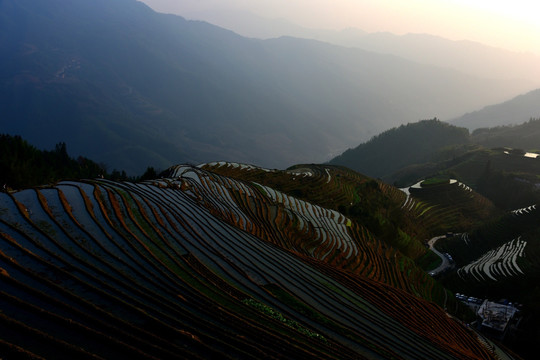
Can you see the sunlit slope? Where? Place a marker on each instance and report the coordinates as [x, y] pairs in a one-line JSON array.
[[304, 228], [402, 218], [173, 269], [374, 206]]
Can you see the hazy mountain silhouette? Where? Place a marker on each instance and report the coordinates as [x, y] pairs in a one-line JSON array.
[[514, 111], [248, 24], [130, 87], [466, 56]]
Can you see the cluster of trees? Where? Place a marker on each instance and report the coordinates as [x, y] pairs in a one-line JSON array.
[[384, 218], [508, 190], [524, 136], [23, 165]]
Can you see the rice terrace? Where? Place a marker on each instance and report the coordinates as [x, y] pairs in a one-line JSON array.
[[198, 264]]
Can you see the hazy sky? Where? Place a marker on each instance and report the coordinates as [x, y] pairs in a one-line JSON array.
[[510, 24]]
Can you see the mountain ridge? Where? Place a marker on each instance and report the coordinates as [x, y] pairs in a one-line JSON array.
[[511, 112], [391, 150], [466, 56]]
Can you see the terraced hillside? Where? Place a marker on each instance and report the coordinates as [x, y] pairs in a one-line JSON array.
[[516, 227], [312, 230], [505, 250], [405, 219], [204, 266], [302, 181], [373, 204], [501, 260], [450, 206], [497, 263], [490, 172]]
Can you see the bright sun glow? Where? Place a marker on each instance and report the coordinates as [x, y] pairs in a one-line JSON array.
[[508, 24], [526, 11]]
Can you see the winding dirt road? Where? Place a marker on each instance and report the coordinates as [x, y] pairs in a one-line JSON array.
[[445, 262]]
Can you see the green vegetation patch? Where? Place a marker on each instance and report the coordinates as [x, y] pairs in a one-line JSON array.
[[436, 180], [294, 303], [429, 261], [268, 311]]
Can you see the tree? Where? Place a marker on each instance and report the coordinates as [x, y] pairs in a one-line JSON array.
[[149, 174]]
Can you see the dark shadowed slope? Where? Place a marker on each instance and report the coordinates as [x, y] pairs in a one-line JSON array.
[[411, 152], [409, 144]]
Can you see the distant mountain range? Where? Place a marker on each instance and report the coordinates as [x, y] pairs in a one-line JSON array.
[[131, 88], [466, 56], [511, 112]]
